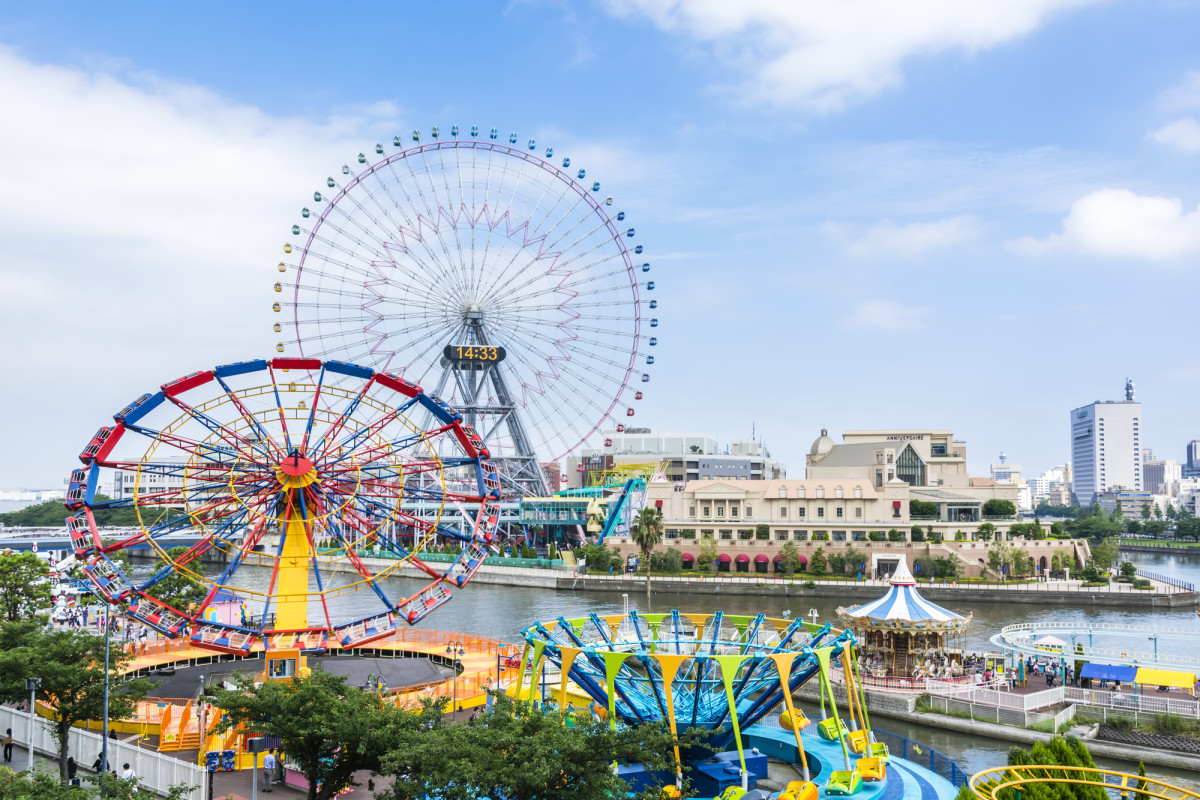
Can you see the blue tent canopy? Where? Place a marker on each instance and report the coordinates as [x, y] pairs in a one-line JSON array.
[[1108, 672]]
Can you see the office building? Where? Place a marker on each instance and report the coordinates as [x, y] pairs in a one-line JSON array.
[[1157, 476], [1191, 462], [1106, 447]]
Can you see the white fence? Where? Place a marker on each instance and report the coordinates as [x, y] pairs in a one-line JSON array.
[[156, 771], [1000, 698], [1150, 703]]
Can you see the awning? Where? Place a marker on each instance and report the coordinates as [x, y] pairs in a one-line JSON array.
[[1050, 642], [761, 558], [723, 558], [688, 557], [1165, 677], [803, 559], [742, 558], [1108, 672]]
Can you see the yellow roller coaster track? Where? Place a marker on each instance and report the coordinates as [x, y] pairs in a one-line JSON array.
[[989, 783]]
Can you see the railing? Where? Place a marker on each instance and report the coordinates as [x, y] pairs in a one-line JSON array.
[[1135, 703], [997, 698], [1001, 715], [922, 754], [156, 772], [1184, 585]]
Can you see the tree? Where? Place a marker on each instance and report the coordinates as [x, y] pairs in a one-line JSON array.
[[837, 563], [1188, 528], [1000, 558], [1062, 559], [21, 594], [918, 533], [818, 564], [1133, 526], [596, 557], [1146, 510], [696, 449], [1106, 553], [1128, 570], [922, 508], [330, 729], [999, 508], [1156, 511], [789, 558], [519, 755], [70, 665], [985, 531], [646, 531], [855, 561], [707, 558]]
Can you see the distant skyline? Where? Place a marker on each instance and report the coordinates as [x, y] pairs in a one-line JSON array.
[[862, 215]]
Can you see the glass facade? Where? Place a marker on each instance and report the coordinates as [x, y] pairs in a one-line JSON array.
[[910, 468]]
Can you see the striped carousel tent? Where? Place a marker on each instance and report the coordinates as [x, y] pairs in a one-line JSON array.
[[902, 604], [904, 633]]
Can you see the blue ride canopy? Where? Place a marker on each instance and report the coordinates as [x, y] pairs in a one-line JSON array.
[[1108, 672]]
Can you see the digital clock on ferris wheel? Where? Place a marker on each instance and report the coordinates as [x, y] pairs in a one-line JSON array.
[[473, 354]]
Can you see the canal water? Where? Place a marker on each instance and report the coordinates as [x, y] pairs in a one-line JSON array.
[[503, 611]]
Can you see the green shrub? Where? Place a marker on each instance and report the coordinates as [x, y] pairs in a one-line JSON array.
[[877, 536], [820, 536], [918, 533], [895, 536], [687, 533]]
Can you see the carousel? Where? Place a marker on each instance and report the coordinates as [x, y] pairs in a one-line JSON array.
[[903, 634]]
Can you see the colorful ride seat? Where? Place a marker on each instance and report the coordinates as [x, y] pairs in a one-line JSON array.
[[831, 729], [732, 793], [843, 783], [799, 790], [858, 741], [801, 721], [878, 750], [871, 769]]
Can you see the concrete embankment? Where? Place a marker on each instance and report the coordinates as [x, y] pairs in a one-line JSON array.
[[1034, 594]]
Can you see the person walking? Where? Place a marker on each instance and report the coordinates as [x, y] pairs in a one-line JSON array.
[[72, 771], [127, 773], [280, 775], [8, 745], [268, 770]]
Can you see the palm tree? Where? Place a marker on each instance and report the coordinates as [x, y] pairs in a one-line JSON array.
[[646, 530]]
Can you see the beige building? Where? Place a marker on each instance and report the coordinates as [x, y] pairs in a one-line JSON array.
[[904, 465]]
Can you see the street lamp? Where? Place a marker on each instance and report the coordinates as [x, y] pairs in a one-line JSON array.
[[104, 730], [32, 685], [456, 649], [812, 612]]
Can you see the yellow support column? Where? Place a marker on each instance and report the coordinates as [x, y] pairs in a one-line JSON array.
[[291, 581]]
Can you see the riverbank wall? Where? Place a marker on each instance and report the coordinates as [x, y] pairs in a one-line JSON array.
[[1055, 593]]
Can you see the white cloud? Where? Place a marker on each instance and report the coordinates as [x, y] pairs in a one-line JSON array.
[[1183, 96], [823, 54], [1182, 134], [886, 315], [141, 223], [1120, 223], [904, 241]]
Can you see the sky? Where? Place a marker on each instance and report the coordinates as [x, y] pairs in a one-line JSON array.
[[863, 214]]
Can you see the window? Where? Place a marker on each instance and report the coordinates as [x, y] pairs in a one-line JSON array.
[[910, 468], [800, 536], [800, 512], [781, 536], [878, 478], [839, 536], [749, 511], [937, 449], [707, 511], [895, 512], [858, 492], [859, 536], [782, 511], [839, 512], [783, 493], [733, 511], [671, 533], [820, 512], [838, 492], [720, 511], [744, 535], [800, 493], [691, 511], [858, 513], [889, 458], [879, 457], [820, 492], [726, 534], [706, 534]]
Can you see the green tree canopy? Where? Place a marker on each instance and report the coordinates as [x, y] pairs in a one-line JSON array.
[[922, 508], [24, 589], [789, 558], [330, 729], [999, 508], [523, 755], [646, 531], [70, 665]]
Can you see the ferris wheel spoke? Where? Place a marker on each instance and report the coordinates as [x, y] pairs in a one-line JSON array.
[[246, 416], [240, 444]]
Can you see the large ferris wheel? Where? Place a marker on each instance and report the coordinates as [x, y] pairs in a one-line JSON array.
[[492, 272]]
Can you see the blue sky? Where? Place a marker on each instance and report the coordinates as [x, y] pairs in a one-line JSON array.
[[863, 214]]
